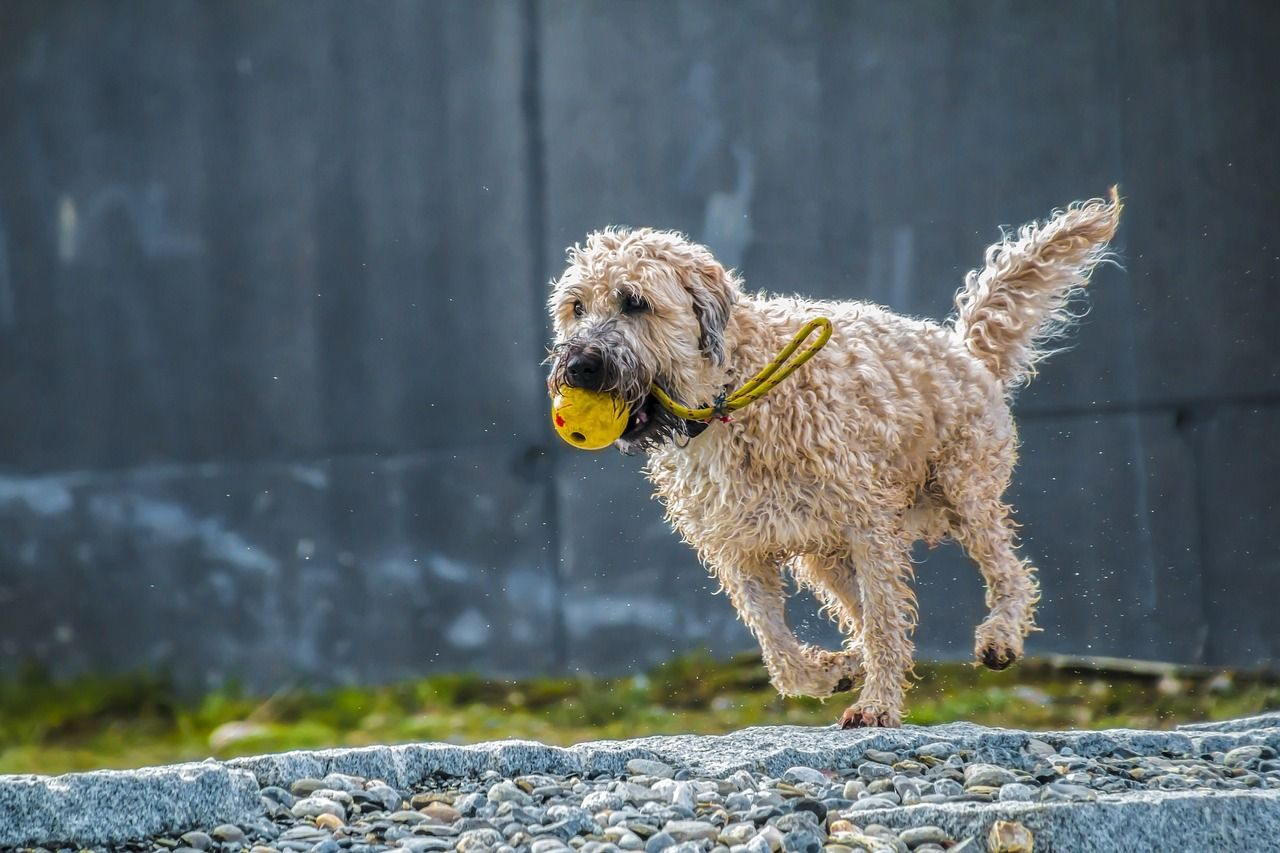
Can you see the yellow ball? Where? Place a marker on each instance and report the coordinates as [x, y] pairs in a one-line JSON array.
[[589, 420]]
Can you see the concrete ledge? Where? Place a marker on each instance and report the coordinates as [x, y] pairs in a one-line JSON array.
[[110, 806], [1144, 820]]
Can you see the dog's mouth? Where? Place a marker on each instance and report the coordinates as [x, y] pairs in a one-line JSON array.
[[649, 426]]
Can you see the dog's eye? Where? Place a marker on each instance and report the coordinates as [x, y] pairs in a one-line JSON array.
[[632, 304], [578, 310]]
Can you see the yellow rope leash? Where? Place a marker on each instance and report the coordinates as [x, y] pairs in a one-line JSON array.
[[762, 383]]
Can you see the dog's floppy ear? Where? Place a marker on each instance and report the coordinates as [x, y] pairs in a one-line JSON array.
[[714, 291]]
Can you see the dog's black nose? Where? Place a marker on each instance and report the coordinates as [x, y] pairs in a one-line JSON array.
[[585, 370]]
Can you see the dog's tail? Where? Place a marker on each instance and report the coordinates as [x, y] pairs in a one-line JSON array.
[[1010, 310]]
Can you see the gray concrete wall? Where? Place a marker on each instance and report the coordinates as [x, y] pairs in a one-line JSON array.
[[271, 281]]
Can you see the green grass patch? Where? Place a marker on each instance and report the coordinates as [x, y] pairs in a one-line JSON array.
[[120, 722]]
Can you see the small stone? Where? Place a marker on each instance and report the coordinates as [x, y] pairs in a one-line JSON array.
[[599, 801], [1242, 755], [306, 787], [630, 841], [197, 840], [326, 846], [770, 836], [948, 788], [278, 795], [507, 792], [987, 774], [315, 806], [546, 845], [918, 835], [874, 770], [803, 839], [682, 795], [329, 822], [647, 767], [805, 775], [691, 830], [418, 844], [1014, 792], [843, 826], [658, 842], [407, 817], [228, 833], [442, 812], [937, 749], [816, 807], [854, 788], [1072, 792], [882, 756], [1009, 837], [383, 795], [478, 840]]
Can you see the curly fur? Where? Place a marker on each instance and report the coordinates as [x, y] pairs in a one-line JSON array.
[[898, 430]]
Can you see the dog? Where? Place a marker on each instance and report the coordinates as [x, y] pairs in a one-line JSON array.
[[898, 430]]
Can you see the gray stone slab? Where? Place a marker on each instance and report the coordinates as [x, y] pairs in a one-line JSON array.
[[111, 806], [1144, 820], [74, 808], [355, 570]]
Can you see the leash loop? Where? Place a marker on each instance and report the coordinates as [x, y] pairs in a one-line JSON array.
[[762, 383]]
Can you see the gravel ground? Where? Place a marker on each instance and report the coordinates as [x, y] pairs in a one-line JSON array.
[[845, 804]]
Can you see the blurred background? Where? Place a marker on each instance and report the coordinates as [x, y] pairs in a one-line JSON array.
[[272, 415]]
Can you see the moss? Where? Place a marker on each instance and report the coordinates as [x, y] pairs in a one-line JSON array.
[[130, 721]]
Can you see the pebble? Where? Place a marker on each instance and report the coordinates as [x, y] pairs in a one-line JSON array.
[[197, 840], [918, 835], [507, 792], [313, 806], [228, 833], [874, 770], [647, 767], [805, 775], [1009, 837], [659, 841], [987, 774], [1014, 792]]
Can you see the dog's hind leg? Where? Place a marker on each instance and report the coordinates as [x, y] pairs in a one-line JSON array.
[[988, 538], [985, 530], [758, 592], [888, 618]]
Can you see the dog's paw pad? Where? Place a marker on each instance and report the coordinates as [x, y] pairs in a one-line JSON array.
[[870, 717], [996, 658]]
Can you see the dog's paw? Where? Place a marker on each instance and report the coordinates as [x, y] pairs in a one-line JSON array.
[[819, 674], [869, 716], [997, 646]]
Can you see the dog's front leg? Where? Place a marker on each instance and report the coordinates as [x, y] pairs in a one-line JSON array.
[[756, 588], [888, 618]]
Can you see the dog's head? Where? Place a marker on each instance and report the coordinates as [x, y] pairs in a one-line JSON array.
[[638, 307]]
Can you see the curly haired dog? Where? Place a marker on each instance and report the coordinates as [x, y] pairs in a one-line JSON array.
[[898, 430]]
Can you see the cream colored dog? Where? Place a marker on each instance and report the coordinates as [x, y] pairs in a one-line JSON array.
[[898, 430]]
